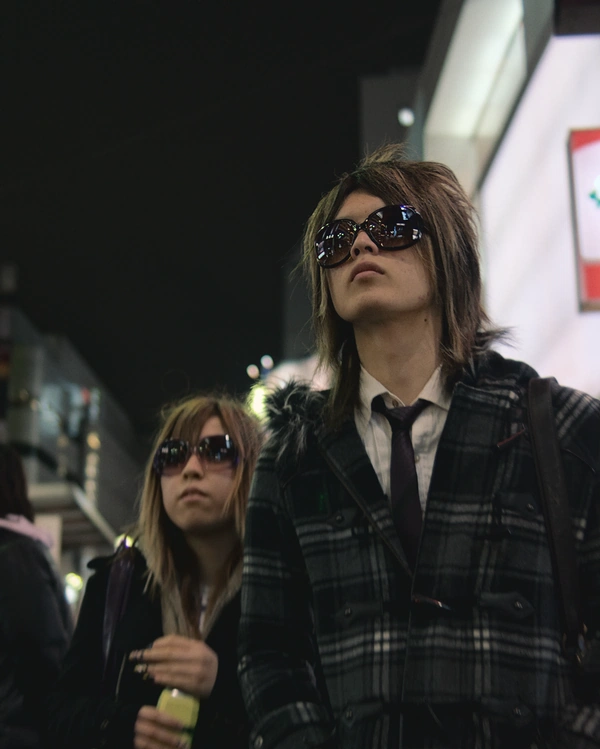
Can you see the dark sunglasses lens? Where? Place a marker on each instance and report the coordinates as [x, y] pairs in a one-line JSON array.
[[170, 454], [218, 449], [333, 242], [395, 227]]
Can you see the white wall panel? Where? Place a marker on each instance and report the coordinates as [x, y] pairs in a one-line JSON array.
[[528, 236]]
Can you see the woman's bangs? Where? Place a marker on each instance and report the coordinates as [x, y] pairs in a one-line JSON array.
[[189, 423]]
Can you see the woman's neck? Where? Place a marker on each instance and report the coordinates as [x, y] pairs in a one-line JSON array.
[[212, 551]]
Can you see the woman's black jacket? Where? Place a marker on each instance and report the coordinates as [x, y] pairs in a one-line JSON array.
[[83, 716]]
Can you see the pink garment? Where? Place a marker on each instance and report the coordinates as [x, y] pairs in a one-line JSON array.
[[20, 524]]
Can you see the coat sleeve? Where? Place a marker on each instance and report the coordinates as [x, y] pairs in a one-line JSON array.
[[580, 721], [278, 657], [36, 626], [78, 716], [581, 716]]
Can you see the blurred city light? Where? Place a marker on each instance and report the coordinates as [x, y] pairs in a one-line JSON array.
[[252, 371], [74, 580], [266, 362], [256, 400], [91, 470], [406, 116], [123, 537], [93, 441], [73, 587]]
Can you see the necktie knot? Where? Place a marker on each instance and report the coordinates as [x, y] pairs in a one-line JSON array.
[[402, 417]]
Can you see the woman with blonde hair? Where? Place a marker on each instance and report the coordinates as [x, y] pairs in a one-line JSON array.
[[178, 629]]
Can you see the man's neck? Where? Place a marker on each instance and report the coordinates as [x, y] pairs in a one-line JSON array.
[[402, 357]]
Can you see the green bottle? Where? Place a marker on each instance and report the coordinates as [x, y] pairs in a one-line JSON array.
[[182, 707]]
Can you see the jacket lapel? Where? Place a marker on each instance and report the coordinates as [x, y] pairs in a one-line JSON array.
[[345, 454], [468, 473]]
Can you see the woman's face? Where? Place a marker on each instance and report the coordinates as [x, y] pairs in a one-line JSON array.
[[194, 497]]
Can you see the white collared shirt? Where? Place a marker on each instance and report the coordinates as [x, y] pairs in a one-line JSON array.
[[376, 433]]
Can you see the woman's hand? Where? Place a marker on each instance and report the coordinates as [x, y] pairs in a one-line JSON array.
[[181, 663], [156, 730]]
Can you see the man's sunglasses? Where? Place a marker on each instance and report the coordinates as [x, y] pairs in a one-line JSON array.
[[393, 227], [172, 455]]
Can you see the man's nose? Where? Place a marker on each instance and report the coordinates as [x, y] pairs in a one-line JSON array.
[[362, 244]]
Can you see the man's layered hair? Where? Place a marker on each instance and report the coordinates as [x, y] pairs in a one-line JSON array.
[[449, 252]]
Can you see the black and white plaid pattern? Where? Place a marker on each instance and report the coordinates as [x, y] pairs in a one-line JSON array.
[[331, 647]]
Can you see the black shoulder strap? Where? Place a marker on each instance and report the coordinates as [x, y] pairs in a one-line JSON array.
[[117, 596], [555, 502]]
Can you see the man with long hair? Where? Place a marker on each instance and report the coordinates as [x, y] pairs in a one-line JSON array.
[[398, 587]]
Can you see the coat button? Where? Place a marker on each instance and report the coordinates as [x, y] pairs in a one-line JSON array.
[[530, 507], [258, 742], [517, 712], [518, 605]]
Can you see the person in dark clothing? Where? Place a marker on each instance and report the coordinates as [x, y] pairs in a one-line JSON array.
[[179, 629], [398, 585], [35, 621]]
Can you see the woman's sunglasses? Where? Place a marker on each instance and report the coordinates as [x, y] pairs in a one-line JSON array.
[[393, 227], [172, 455]]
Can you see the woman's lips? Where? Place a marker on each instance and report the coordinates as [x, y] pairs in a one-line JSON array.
[[193, 494]]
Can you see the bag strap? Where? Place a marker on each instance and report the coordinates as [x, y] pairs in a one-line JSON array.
[[553, 491], [117, 596]]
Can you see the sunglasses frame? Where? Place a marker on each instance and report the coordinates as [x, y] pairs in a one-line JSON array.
[[417, 230], [201, 450]]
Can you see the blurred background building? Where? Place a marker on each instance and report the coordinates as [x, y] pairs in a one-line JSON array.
[[515, 112], [81, 457]]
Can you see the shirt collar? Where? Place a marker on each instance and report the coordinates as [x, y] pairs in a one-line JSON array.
[[433, 391]]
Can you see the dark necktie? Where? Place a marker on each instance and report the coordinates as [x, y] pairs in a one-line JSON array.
[[406, 506]]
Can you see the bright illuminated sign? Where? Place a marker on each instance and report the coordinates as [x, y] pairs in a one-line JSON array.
[[584, 151]]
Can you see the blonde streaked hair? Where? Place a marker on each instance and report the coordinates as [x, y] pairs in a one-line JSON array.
[[449, 251], [172, 566]]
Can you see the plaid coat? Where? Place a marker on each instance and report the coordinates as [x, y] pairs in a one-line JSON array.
[[341, 646]]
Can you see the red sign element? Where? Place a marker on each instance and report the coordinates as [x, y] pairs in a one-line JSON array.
[[584, 152]]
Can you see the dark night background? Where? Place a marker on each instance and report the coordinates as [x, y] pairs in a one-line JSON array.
[[158, 162]]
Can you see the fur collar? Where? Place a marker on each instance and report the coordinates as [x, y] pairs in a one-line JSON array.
[[294, 411]]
